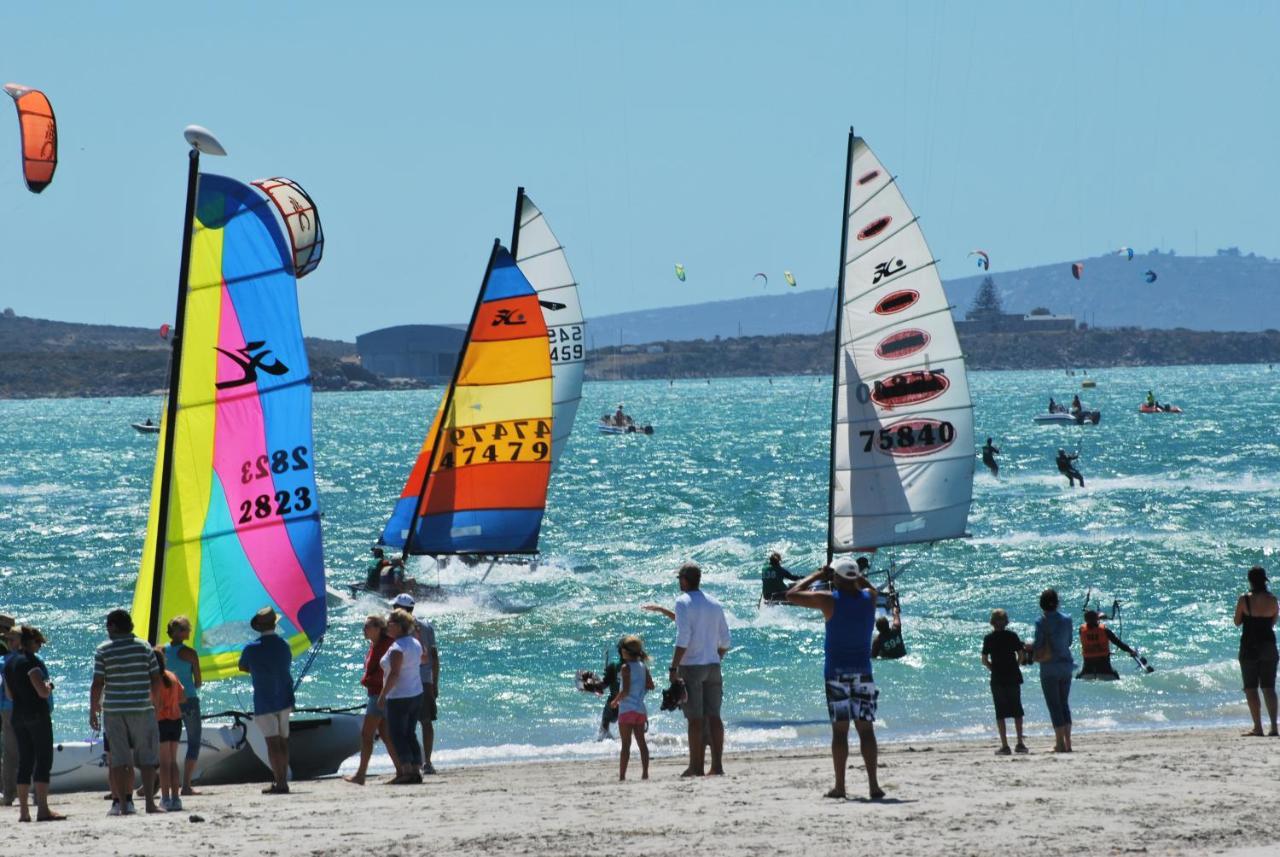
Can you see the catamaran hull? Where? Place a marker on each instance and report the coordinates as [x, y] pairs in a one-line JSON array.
[[1090, 417], [317, 747]]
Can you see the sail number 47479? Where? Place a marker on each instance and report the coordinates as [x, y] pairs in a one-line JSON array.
[[513, 440]]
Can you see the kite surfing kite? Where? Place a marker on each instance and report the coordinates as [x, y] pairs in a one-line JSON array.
[[1150, 276], [39, 135], [680, 272], [1125, 251], [984, 261], [1077, 268], [300, 218], [791, 280], [763, 276]]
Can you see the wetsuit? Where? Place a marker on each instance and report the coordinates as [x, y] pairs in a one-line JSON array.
[[888, 645], [773, 586], [989, 454], [611, 680], [1095, 645], [1067, 469]]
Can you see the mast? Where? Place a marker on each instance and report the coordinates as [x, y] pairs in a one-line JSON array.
[[515, 227], [448, 396], [835, 363], [171, 412]]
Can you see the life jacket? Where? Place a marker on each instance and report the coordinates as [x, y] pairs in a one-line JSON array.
[[1094, 642]]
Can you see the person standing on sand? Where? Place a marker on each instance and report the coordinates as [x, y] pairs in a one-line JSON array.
[[1001, 651], [702, 639], [1256, 619], [125, 677], [849, 609], [429, 672], [401, 695], [1051, 648], [375, 717], [185, 664], [26, 684], [267, 661], [8, 740], [168, 703], [633, 717]]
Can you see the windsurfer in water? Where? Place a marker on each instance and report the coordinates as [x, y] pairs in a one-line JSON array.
[[773, 585], [888, 644], [1096, 640], [989, 453], [1066, 466]]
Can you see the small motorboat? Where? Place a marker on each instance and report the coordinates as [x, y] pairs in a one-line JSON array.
[[147, 428], [608, 426], [1144, 408], [1067, 418]]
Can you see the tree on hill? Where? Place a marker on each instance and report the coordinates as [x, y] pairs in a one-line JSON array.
[[987, 300]]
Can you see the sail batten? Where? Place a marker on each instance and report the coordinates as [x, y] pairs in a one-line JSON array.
[[243, 528], [902, 416]]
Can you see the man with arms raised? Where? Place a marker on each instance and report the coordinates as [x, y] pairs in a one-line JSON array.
[[702, 638], [850, 611]]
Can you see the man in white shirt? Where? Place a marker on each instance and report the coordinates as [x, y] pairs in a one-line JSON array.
[[702, 638]]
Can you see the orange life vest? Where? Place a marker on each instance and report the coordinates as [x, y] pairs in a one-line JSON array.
[[1094, 642]]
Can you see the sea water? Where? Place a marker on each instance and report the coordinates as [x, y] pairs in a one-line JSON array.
[[1175, 509]]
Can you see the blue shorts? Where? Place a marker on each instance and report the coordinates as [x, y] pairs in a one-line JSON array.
[[371, 708]]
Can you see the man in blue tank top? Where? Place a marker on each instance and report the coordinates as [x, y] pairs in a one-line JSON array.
[[850, 612]]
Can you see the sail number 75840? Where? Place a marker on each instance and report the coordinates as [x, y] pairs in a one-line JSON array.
[[909, 437]]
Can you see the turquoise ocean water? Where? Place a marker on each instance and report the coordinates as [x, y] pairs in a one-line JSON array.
[[1175, 509]]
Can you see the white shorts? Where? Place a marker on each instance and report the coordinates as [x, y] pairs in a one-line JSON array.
[[274, 724]]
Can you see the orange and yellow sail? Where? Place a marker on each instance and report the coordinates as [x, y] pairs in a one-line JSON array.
[[487, 485]]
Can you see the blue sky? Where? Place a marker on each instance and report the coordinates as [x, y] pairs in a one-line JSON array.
[[711, 134]]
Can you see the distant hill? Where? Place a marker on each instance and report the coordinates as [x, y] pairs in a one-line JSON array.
[[1222, 292], [40, 358], [796, 354]]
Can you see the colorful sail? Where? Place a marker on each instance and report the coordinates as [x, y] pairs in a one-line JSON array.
[[902, 439], [301, 221], [487, 484], [543, 262], [39, 132], [243, 528]]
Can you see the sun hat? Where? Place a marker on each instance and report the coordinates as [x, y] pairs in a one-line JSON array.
[[404, 599], [264, 620], [847, 570]]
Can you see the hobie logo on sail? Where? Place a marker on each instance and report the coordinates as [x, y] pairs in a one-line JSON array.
[[902, 344], [874, 228], [868, 177], [909, 388], [896, 302], [250, 363]]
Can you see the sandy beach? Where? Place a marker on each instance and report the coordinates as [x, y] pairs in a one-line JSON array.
[[1176, 792]]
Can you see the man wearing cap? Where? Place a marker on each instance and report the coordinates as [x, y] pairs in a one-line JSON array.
[[8, 738], [850, 613], [702, 639], [429, 670], [267, 661], [126, 676]]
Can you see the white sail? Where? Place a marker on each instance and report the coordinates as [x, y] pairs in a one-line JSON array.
[[902, 444], [542, 260]]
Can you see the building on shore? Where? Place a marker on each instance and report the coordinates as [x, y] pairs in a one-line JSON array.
[[987, 321], [424, 352]]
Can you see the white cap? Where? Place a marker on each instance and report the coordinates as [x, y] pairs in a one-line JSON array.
[[404, 599], [847, 569]]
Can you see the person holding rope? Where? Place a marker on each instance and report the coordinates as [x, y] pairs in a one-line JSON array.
[[1066, 466]]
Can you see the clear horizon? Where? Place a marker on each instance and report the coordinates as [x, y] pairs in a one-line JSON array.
[[708, 135]]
